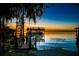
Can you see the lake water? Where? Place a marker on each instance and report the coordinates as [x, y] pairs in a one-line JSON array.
[[64, 40]]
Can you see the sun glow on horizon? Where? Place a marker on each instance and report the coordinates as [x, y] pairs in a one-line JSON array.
[[46, 26]]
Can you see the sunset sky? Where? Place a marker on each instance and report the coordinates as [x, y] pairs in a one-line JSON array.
[[56, 17]]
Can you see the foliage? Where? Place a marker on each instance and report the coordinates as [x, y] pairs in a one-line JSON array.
[[30, 11]]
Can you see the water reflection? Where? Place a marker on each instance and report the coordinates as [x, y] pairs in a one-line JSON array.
[[58, 40]]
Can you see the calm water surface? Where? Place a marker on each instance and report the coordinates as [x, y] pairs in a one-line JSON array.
[[64, 40]]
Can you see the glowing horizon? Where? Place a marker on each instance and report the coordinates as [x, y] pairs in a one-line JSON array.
[[47, 27]]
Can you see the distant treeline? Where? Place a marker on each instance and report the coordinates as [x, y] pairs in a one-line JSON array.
[[60, 30]]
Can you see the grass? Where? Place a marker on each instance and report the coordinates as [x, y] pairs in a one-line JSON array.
[[18, 54], [14, 53]]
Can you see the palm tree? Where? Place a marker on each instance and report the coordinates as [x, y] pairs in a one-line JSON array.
[[9, 11], [33, 11]]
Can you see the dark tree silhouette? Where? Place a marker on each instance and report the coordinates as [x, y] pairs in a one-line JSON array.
[[77, 31], [77, 38], [9, 11]]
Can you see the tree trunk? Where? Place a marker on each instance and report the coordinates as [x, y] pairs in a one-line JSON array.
[[15, 39], [35, 42], [3, 37]]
